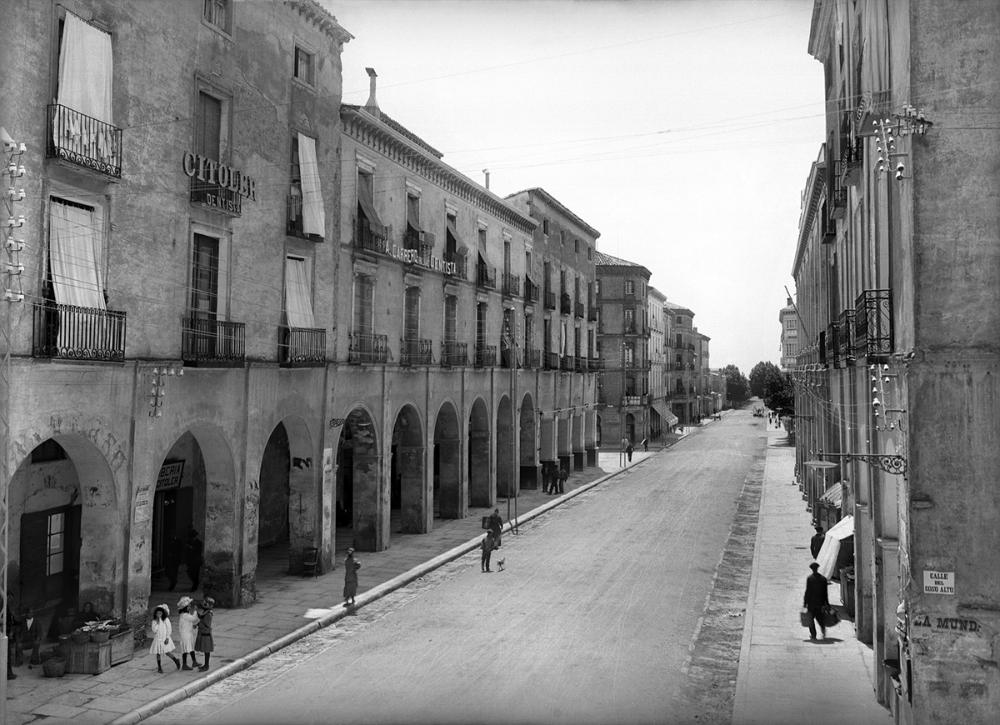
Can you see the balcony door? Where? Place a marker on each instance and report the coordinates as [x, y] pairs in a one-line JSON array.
[[204, 294]]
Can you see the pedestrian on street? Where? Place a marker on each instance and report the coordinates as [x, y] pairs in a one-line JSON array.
[[351, 567], [13, 631], [204, 642], [816, 542], [815, 599], [163, 643], [487, 547], [495, 525], [552, 478], [187, 631], [563, 475], [645, 445], [28, 639], [628, 450], [194, 558]]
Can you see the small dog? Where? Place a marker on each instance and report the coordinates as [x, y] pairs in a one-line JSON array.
[[500, 563]]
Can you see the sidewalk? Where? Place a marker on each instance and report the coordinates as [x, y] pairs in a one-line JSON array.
[[783, 677], [277, 618]]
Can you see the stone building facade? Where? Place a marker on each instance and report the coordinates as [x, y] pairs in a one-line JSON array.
[[897, 270], [789, 342], [683, 362]]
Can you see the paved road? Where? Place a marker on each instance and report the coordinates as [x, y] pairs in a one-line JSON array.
[[591, 621]]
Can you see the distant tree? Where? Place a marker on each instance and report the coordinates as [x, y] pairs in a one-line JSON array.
[[761, 373], [774, 387], [737, 387]]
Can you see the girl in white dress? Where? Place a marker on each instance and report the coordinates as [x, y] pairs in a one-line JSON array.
[[187, 630], [161, 629]]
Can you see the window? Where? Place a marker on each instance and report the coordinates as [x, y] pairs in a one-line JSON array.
[[450, 317], [629, 320], [481, 336], [545, 226], [219, 14], [364, 305], [678, 340], [680, 320], [205, 277], [590, 253], [306, 215], [630, 287], [411, 315], [76, 240], [597, 287], [370, 225], [529, 330], [303, 70], [576, 246], [55, 544], [298, 294]]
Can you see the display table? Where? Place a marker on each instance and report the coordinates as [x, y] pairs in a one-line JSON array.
[[89, 658]]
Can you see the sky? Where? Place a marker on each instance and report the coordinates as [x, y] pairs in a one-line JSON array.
[[682, 130]]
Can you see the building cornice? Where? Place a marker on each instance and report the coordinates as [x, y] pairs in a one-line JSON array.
[[560, 207], [815, 188], [378, 136], [321, 18]]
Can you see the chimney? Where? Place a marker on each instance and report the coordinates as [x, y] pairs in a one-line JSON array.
[[486, 173], [372, 105]]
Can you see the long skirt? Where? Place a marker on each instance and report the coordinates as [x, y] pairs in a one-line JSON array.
[[204, 643]]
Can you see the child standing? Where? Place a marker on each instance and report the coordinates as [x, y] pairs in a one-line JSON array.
[[203, 642], [187, 628], [351, 566], [162, 642]]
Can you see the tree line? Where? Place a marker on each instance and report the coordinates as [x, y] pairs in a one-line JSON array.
[[766, 382]]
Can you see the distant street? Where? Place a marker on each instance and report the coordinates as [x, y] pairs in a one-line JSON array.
[[591, 621]]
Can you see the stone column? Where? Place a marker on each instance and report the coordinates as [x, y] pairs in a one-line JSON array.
[[450, 501], [413, 490], [479, 468], [371, 503]]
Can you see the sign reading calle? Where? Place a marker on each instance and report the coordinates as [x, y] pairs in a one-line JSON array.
[[939, 582]]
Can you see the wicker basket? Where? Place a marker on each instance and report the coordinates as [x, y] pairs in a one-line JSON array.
[[54, 667]]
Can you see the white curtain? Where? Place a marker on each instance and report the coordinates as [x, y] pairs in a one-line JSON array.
[[85, 81], [313, 215], [75, 255], [298, 297], [562, 339]]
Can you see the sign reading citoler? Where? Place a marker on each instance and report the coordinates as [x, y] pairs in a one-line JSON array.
[[217, 174]]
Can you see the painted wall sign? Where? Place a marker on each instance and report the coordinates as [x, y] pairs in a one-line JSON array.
[[949, 623], [217, 174], [939, 582]]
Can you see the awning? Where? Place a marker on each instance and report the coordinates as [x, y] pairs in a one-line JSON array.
[[313, 216], [834, 495], [411, 217], [490, 256], [368, 208], [460, 247], [667, 419], [827, 557]]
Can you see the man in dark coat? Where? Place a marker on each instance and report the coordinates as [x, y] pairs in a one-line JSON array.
[[815, 599], [563, 475], [495, 525], [487, 546], [816, 542]]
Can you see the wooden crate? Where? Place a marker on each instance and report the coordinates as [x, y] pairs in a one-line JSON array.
[[90, 658], [122, 647]]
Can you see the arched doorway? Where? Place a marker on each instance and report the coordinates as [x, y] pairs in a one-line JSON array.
[[196, 476], [408, 495], [288, 505], [529, 447], [447, 465], [65, 533], [479, 455], [506, 483], [359, 517]]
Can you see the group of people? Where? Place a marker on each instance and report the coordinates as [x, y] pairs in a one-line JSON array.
[[191, 553], [24, 632], [491, 541], [194, 629], [554, 478], [816, 598]]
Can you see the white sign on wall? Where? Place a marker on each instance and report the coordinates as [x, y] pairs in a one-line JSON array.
[[939, 582]]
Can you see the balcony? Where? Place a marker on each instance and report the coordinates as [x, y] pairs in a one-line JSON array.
[[551, 361], [530, 290], [511, 285], [486, 356], [592, 313], [828, 229], [457, 265], [580, 364], [832, 346], [839, 197], [845, 339], [77, 333], [873, 325], [212, 343], [565, 304], [486, 277], [454, 354], [508, 358], [293, 219], [596, 364], [368, 348], [579, 309], [532, 358], [84, 141], [633, 400], [415, 351], [366, 240], [550, 300], [302, 346], [851, 158], [566, 363]]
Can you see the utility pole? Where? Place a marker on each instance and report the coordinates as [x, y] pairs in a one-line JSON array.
[[13, 294]]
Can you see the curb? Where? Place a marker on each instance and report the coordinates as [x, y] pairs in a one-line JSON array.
[[371, 595]]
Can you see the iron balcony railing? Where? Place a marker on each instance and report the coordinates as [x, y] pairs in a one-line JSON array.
[[293, 219], [579, 307], [596, 364], [851, 157], [832, 346], [367, 240], [77, 333], [454, 354], [511, 285], [550, 300], [486, 356], [839, 197], [580, 364], [459, 265], [205, 341], [508, 357], [633, 400], [551, 361], [368, 348], [84, 140], [530, 290], [486, 277], [845, 339], [565, 304], [566, 363], [415, 351], [592, 313], [532, 358], [873, 324], [302, 346]]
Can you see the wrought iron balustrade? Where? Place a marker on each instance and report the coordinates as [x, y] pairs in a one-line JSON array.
[[596, 364], [530, 290], [84, 140], [533, 358], [454, 354], [415, 351], [486, 277], [873, 324], [565, 304], [206, 341], [550, 300], [551, 361], [77, 333], [580, 364], [845, 337], [511, 285], [367, 240], [633, 400], [579, 309], [302, 346], [486, 356], [592, 313], [368, 348], [294, 219], [566, 363], [459, 266]]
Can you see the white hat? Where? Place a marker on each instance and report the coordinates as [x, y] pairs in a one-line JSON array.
[[165, 608]]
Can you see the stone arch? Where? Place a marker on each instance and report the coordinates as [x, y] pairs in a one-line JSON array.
[[480, 493], [528, 443], [359, 485], [447, 461], [407, 489], [66, 527]]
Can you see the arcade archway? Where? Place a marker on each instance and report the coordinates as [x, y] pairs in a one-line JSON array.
[[529, 447], [448, 499], [479, 455], [506, 481], [359, 516], [408, 497]]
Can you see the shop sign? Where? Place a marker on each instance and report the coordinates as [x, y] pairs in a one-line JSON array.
[[949, 623], [217, 174], [170, 475], [939, 582]]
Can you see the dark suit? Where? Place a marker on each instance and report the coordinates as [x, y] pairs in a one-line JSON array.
[[814, 600], [816, 543]]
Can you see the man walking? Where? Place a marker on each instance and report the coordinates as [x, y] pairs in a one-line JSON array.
[[563, 475], [816, 542], [815, 599], [495, 525], [487, 550]]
